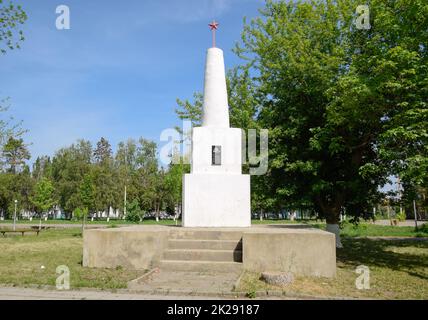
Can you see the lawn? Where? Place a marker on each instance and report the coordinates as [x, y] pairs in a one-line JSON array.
[[398, 270], [89, 222], [22, 258], [363, 229]]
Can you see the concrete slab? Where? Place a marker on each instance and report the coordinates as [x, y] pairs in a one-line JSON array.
[[190, 282], [291, 248]]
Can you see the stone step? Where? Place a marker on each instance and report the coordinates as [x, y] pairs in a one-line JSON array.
[[203, 255], [205, 244], [201, 266], [206, 235]]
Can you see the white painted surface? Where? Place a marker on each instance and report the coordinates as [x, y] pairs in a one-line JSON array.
[[215, 107], [216, 195], [216, 200], [230, 140]]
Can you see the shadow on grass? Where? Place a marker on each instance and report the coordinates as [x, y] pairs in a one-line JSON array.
[[372, 252], [298, 225]]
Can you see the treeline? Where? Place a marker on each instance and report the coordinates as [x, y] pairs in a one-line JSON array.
[[87, 179]]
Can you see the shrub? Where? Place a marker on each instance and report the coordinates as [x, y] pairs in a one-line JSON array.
[[134, 212], [401, 216], [423, 228]]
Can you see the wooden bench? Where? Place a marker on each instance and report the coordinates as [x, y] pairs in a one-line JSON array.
[[22, 231]]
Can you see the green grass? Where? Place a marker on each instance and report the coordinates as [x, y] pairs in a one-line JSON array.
[[349, 230], [363, 229], [22, 258], [371, 230], [398, 270], [89, 222]]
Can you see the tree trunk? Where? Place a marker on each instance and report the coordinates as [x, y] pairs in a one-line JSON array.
[[334, 228], [331, 212], [157, 212]]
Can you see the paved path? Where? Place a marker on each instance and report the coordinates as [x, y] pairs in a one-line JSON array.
[[13, 293], [407, 223], [190, 282]]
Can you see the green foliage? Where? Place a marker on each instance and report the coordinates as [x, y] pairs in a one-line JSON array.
[[7, 126], [43, 198], [401, 216], [134, 212], [191, 111], [15, 153], [423, 228], [330, 93], [87, 192], [78, 213], [68, 168], [11, 16]]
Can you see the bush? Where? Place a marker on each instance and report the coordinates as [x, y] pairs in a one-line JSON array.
[[423, 228], [78, 214], [134, 212], [401, 216]]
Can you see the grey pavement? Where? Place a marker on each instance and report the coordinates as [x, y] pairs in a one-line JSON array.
[[14, 293], [207, 282]]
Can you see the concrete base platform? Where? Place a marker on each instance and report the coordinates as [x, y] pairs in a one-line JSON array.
[[290, 248]]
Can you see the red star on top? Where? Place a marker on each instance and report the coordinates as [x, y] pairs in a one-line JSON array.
[[213, 25]]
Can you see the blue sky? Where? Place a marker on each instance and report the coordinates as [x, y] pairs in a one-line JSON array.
[[119, 69]]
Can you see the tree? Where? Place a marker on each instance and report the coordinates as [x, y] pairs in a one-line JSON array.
[[126, 166], [15, 153], [7, 127], [87, 192], [43, 199], [174, 186], [11, 16], [107, 190], [6, 193], [149, 178], [192, 111], [69, 167], [329, 92], [42, 167], [103, 153], [87, 197]]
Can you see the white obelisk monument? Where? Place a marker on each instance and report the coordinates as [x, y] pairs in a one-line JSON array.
[[216, 193]]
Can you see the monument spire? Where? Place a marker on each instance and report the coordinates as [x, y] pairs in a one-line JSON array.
[[215, 106]]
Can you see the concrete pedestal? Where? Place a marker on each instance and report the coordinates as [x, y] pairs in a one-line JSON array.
[[302, 251]]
